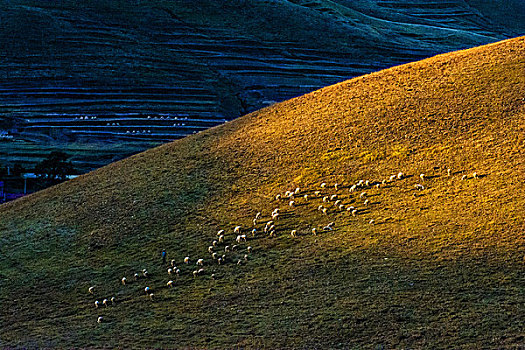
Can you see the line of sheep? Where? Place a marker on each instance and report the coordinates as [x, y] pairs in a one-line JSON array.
[[228, 246]]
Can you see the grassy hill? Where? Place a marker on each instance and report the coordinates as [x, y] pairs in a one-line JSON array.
[[91, 73], [441, 267]]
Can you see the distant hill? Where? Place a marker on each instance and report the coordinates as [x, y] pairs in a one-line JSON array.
[[430, 258], [138, 73]]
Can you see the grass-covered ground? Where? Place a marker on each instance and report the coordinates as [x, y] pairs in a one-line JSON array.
[[441, 267]]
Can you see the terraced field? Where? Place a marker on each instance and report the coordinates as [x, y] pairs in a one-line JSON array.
[[155, 71]]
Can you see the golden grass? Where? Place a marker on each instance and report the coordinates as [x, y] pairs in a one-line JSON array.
[[442, 267]]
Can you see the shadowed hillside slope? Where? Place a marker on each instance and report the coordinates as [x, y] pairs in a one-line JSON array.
[[441, 264], [142, 72]]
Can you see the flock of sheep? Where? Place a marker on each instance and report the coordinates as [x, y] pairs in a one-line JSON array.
[[231, 247]]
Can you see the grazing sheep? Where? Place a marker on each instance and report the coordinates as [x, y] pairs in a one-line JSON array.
[[324, 211], [173, 262], [123, 280], [362, 195], [254, 222], [422, 177], [367, 183], [338, 202], [113, 300], [320, 208], [400, 175], [227, 248], [341, 207], [278, 197], [221, 238], [136, 276], [350, 208], [366, 202], [177, 271], [239, 262], [317, 193], [170, 270], [360, 183], [200, 262], [187, 260], [378, 185], [392, 178], [213, 276], [271, 228], [151, 296], [371, 222], [100, 319], [323, 185], [305, 197], [336, 186], [475, 175], [419, 187], [220, 233], [353, 188], [195, 273], [327, 228], [237, 229], [200, 272], [219, 261], [170, 284], [292, 203], [314, 231], [238, 239], [258, 215], [249, 249], [234, 247], [254, 232], [449, 171], [293, 233], [464, 177], [331, 224], [210, 249], [105, 302], [326, 199], [297, 190], [146, 290], [354, 212], [91, 290], [145, 273], [214, 243], [333, 197], [214, 256], [96, 304]]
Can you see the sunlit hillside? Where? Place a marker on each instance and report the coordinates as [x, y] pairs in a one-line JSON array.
[[432, 258]]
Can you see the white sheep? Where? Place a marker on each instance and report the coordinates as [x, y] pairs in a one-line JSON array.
[[366, 202], [362, 195], [151, 296], [170, 284], [324, 211], [210, 249], [291, 204], [254, 232], [170, 270], [145, 273], [227, 248], [147, 290], [350, 208], [293, 233], [96, 304], [200, 262], [297, 190], [400, 175], [234, 247], [320, 208], [177, 271], [91, 290], [100, 319], [214, 243], [464, 177], [249, 249], [136, 276], [378, 185], [327, 228], [195, 273], [352, 188], [237, 229], [214, 256], [254, 222], [221, 238], [314, 231], [371, 222], [317, 193], [219, 261], [338, 202], [238, 239], [323, 185], [113, 300], [220, 233], [326, 199], [422, 177], [392, 178], [475, 175], [360, 183], [336, 186], [277, 197], [123, 280], [200, 271], [245, 257], [354, 212], [419, 187], [187, 260], [305, 197], [333, 197], [367, 183], [173, 262], [258, 215], [341, 207], [449, 171], [105, 302]]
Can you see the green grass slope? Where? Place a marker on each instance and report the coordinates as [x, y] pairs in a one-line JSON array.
[[441, 267]]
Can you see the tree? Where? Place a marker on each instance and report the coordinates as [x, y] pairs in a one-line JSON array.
[[55, 167]]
